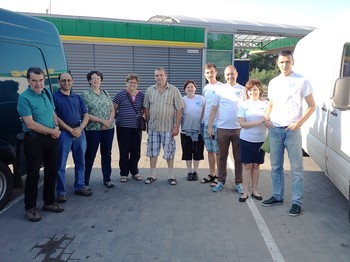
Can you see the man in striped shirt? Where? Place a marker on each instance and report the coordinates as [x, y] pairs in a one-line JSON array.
[[163, 110]]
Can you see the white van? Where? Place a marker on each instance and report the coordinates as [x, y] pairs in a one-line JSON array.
[[323, 56]]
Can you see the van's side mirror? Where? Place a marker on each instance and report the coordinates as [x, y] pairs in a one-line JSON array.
[[341, 94]]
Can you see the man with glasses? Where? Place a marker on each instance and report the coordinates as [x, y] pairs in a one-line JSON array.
[[36, 109], [72, 118], [286, 93]]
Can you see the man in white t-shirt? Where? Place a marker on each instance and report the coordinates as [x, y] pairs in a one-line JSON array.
[[286, 93], [211, 142], [226, 104]]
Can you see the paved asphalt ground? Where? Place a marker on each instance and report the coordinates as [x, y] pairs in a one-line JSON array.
[[186, 222]]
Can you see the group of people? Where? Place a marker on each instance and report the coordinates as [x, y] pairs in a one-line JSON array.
[[63, 122]]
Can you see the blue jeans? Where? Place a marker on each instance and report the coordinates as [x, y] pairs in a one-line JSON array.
[[94, 139], [281, 139], [78, 146]]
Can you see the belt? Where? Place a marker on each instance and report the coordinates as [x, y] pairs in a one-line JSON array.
[[284, 127], [75, 125], [33, 134]]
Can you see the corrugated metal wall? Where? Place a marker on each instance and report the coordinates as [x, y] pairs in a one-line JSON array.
[[117, 61]]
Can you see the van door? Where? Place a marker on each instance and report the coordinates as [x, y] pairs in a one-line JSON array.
[[338, 137]]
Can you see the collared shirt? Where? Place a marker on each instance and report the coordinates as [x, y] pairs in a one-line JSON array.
[[162, 107], [69, 108], [98, 105], [39, 106]]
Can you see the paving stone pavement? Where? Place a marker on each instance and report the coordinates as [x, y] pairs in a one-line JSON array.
[[182, 223]]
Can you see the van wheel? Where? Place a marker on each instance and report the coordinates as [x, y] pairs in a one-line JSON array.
[[6, 185]]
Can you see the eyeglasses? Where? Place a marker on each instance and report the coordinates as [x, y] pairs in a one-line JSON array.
[[96, 78], [66, 80], [132, 83]]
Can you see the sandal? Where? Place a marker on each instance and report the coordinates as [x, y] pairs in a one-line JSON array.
[[123, 179], [172, 181], [137, 177], [208, 179], [150, 180], [214, 182]]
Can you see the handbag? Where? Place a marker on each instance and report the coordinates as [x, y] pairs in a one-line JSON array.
[[266, 145], [141, 121]]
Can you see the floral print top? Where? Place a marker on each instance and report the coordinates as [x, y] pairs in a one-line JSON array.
[[98, 105]]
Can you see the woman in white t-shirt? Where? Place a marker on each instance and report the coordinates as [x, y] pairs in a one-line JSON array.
[[191, 139], [251, 117]]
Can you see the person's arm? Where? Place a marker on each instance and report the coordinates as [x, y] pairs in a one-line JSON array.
[[178, 116], [39, 128], [146, 112], [107, 123], [244, 124], [308, 112], [76, 132], [268, 122], [212, 115]]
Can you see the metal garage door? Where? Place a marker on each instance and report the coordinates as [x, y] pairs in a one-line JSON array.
[[116, 62]]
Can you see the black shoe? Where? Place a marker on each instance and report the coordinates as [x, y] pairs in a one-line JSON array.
[[190, 176], [243, 199], [194, 176], [257, 197], [295, 210], [271, 202]]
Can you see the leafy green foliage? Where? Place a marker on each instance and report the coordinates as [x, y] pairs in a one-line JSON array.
[[263, 67]]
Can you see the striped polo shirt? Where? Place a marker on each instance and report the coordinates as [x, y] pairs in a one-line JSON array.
[[162, 107]]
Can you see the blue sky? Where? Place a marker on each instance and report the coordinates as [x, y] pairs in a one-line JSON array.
[[298, 12]]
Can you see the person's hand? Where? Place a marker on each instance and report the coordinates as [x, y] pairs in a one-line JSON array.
[[76, 132], [107, 122], [210, 132], [176, 131], [268, 124], [56, 133], [293, 126]]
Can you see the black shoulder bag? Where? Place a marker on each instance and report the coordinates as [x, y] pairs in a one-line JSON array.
[[141, 121]]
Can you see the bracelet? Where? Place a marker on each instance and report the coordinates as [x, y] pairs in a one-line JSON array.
[[82, 128]]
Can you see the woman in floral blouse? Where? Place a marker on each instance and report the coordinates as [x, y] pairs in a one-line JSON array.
[[100, 130]]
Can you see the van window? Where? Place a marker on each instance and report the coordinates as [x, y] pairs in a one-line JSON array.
[[16, 59], [346, 61]]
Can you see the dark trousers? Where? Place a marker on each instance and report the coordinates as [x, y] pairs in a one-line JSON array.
[[129, 142], [94, 139], [40, 149]]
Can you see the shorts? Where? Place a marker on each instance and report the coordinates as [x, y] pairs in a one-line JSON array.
[[157, 139], [210, 144], [192, 150], [251, 153]]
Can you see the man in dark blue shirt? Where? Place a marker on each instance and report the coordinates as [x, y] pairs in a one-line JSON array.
[[72, 116]]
